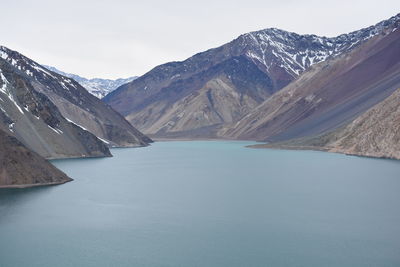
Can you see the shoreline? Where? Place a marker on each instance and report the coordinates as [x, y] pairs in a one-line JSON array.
[[99, 156], [23, 186], [163, 139], [316, 148], [253, 146], [76, 157]]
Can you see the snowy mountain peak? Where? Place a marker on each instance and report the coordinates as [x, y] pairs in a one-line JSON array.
[[96, 86], [295, 53], [34, 69]]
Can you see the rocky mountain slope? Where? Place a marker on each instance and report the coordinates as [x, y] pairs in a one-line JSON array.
[[329, 95], [75, 104], [20, 167], [96, 86], [375, 133], [198, 96], [32, 118]]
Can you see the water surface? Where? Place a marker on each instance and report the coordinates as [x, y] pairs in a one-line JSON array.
[[208, 204]]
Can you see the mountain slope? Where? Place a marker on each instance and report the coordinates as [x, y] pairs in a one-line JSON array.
[[329, 95], [375, 133], [216, 96], [20, 167], [75, 103], [157, 102], [37, 123], [96, 86]]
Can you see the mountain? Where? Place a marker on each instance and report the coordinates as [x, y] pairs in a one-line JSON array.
[[329, 95], [31, 117], [374, 133], [96, 86], [199, 96], [73, 103], [20, 167]]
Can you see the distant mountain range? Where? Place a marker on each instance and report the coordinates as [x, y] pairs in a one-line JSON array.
[[96, 86], [337, 94], [270, 85], [328, 95]]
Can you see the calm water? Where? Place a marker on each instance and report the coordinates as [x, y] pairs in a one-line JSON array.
[[208, 204]]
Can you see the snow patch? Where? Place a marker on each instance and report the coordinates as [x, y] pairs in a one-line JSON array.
[[11, 126], [40, 69], [103, 140], [80, 126], [4, 90], [58, 131]]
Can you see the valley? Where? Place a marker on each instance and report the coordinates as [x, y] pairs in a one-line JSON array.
[[269, 85], [228, 144], [289, 90]]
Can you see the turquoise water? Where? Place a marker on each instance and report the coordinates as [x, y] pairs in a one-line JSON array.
[[208, 204]]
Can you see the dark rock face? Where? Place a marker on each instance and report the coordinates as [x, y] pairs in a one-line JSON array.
[[38, 124], [273, 56], [20, 167], [328, 96], [75, 103]]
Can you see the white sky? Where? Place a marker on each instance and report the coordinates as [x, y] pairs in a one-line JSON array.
[[121, 38]]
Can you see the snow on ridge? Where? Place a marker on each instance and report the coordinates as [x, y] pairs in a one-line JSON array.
[[58, 131], [4, 90], [4, 83], [298, 52], [3, 54], [80, 126], [40, 69], [83, 128], [96, 86], [103, 140], [11, 126], [22, 63]]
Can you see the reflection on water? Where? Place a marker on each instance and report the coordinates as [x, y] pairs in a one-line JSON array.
[[13, 199]]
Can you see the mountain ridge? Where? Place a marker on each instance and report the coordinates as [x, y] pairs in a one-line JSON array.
[[75, 103], [98, 87], [375, 133], [282, 56], [32, 118], [328, 95]]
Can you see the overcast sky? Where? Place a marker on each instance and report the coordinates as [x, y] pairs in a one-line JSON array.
[[121, 38]]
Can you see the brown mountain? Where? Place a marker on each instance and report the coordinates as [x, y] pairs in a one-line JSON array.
[[328, 96], [375, 133], [20, 167], [199, 96]]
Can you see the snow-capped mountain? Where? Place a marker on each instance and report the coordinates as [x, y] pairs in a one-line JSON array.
[[295, 53], [96, 86], [228, 81], [53, 114], [31, 117]]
